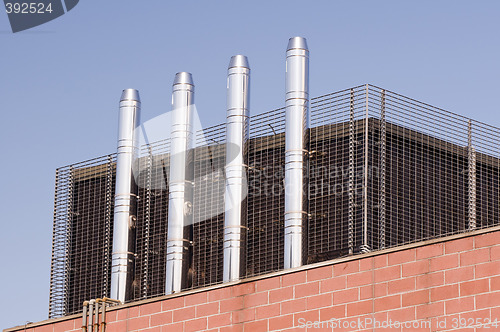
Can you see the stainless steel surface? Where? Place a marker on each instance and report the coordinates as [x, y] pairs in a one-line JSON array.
[[180, 183], [125, 211], [238, 108], [297, 105]]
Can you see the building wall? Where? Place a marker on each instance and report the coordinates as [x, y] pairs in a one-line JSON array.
[[447, 283]]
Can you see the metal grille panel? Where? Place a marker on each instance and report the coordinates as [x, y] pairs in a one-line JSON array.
[[384, 170]]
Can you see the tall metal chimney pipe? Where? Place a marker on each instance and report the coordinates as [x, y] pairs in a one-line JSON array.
[[180, 184], [125, 212], [238, 106], [297, 104]]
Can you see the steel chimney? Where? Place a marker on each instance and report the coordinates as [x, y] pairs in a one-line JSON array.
[[180, 184], [238, 106], [297, 104], [125, 211]]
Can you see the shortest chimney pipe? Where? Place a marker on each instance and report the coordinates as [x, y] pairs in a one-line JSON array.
[[238, 105], [125, 211]]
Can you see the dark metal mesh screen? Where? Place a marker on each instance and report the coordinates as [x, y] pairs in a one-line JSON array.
[[383, 170]]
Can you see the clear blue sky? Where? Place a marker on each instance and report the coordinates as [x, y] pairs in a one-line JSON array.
[[60, 84]]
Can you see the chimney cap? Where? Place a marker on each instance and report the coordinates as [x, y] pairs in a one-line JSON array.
[[239, 61], [130, 94], [183, 78], [297, 42]]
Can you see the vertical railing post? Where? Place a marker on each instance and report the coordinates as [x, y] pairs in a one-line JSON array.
[[382, 171], [471, 179], [350, 221], [147, 222], [364, 246]]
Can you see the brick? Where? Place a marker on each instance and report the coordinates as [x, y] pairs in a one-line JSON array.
[[161, 318], [199, 324], [359, 308], [345, 296], [474, 287], [476, 314], [152, 329], [415, 268], [280, 323], [366, 292], [244, 315], [219, 294], [402, 315], [401, 285], [281, 294], [444, 292], [400, 257], [175, 327], [430, 280], [475, 257], [464, 273], [173, 303], [380, 261], [487, 240], [219, 320], [308, 289], [488, 269], [207, 309], [311, 315], [232, 328], [256, 299], [333, 284], [150, 308], [414, 298], [292, 306], [336, 311], [196, 299], [138, 323], [430, 251], [495, 253], [324, 272], [387, 303], [444, 262], [459, 245], [118, 326], [346, 268], [67, 326], [267, 284], [183, 314], [267, 311], [495, 284], [461, 304], [488, 300], [426, 311], [359, 279], [387, 273], [257, 326], [366, 264], [294, 278], [319, 301], [235, 303], [243, 289], [133, 312]]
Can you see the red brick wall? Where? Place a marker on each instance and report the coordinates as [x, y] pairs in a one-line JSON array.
[[438, 283]]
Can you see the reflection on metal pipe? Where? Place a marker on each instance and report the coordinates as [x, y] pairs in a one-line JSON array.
[[96, 324], [180, 184], [84, 316], [125, 197], [238, 85], [297, 104]]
